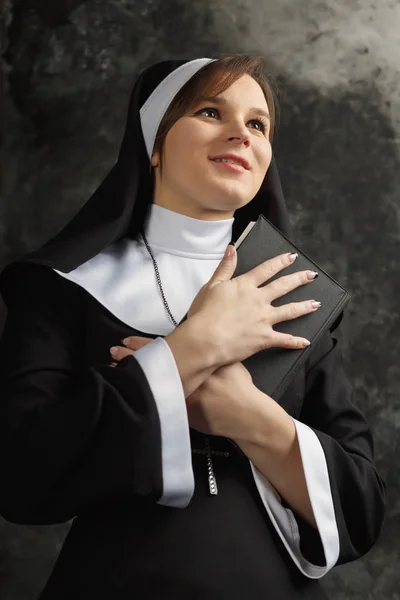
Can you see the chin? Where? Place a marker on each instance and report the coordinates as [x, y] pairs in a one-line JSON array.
[[231, 201], [227, 204], [222, 195]]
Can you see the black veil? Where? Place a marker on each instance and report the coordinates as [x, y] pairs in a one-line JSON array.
[[120, 204]]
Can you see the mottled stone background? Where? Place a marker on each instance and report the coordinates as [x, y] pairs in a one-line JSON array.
[[68, 67]]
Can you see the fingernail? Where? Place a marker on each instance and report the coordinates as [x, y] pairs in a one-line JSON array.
[[312, 274], [315, 304], [293, 256], [113, 351], [229, 251], [125, 340], [306, 343]]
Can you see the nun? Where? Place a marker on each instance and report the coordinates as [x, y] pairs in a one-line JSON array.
[[124, 403]]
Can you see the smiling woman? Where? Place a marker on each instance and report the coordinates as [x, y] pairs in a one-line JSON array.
[[226, 112], [183, 479]]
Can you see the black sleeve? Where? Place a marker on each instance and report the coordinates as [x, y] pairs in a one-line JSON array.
[[70, 436], [358, 491]]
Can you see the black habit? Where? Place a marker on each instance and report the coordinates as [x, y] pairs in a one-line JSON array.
[[111, 448]]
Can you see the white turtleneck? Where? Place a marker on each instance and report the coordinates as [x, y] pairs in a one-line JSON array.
[[122, 279]]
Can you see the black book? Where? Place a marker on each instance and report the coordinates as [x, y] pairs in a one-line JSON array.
[[273, 369]]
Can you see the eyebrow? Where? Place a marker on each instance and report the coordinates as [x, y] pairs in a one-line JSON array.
[[218, 100]]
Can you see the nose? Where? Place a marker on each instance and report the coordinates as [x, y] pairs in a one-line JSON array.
[[238, 132]]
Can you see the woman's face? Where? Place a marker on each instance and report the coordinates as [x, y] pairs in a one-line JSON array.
[[195, 185]]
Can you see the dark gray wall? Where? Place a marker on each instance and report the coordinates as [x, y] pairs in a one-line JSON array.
[[70, 68]]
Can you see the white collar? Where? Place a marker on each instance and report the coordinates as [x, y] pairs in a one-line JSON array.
[[172, 232], [122, 279]]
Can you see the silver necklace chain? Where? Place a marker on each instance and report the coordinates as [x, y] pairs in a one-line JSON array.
[[212, 482], [159, 281]]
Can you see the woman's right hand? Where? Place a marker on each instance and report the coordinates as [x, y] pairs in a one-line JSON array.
[[238, 313]]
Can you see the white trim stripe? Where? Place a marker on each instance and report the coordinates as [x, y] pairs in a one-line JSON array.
[[319, 489], [159, 366], [159, 100]]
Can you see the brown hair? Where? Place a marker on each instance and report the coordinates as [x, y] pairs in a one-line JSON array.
[[212, 80]]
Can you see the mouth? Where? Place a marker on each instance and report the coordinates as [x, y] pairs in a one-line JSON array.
[[229, 166], [231, 162], [231, 158]]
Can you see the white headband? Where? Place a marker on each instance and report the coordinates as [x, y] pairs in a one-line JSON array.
[[157, 103]]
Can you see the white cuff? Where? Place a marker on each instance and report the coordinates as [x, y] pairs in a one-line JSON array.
[[159, 366], [319, 490]]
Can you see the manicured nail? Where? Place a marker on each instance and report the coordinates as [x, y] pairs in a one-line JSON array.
[[114, 351], [293, 256], [306, 343], [125, 340], [312, 274], [315, 304]]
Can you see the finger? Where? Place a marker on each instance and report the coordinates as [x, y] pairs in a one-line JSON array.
[[226, 267], [283, 285], [291, 311], [135, 342], [118, 353], [285, 340], [268, 269]]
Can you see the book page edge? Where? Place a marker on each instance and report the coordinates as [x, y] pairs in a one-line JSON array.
[[245, 233]]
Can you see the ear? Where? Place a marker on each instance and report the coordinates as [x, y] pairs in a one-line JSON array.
[[155, 159]]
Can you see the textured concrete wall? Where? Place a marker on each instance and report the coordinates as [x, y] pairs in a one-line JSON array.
[[71, 65]]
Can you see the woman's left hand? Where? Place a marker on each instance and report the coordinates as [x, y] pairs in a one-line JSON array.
[[220, 404]]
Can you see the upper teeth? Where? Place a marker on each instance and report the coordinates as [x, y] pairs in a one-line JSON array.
[[229, 160]]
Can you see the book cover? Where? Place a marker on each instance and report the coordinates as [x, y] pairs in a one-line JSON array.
[[273, 369]]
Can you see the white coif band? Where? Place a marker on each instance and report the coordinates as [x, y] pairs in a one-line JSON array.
[[159, 100]]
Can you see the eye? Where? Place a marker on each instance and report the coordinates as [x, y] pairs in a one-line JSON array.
[[262, 124], [214, 110]]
